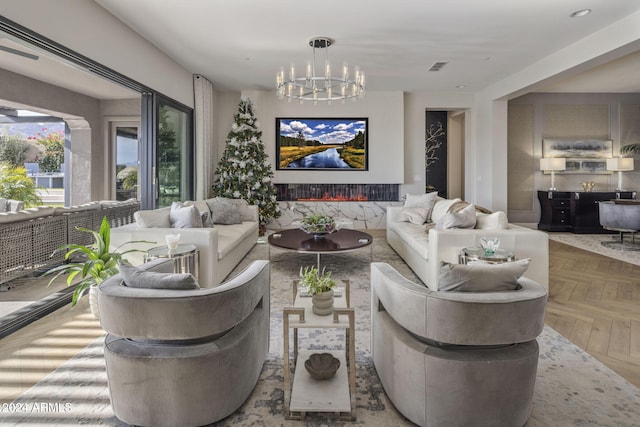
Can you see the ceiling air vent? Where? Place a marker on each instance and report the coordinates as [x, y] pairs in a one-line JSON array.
[[437, 66]]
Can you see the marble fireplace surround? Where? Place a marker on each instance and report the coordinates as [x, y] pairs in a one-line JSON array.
[[366, 209], [364, 215]]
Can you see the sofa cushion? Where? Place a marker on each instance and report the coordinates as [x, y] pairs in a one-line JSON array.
[[413, 215], [14, 205], [135, 277], [481, 277], [494, 221], [182, 216], [3, 204], [156, 218], [230, 236], [224, 211], [441, 208], [414, 236], [466, 218]]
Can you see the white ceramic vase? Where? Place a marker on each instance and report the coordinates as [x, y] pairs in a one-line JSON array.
[[322, 303], [93, 301]]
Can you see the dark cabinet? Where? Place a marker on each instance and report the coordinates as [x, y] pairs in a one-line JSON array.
[[575, 211], [555, 210]]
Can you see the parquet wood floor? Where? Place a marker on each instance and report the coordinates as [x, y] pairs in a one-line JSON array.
[[594, 301]]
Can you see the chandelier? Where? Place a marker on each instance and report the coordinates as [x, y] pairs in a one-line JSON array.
[[314, 86]]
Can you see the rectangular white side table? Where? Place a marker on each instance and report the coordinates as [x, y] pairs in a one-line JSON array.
[[306, 394]]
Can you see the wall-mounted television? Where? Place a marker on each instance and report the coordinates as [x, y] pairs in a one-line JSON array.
[[322, 144]]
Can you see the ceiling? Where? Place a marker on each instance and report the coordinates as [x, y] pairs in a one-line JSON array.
[[241, 44], [56, 72]]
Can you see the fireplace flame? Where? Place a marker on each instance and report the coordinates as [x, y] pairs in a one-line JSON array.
[[337, 198]]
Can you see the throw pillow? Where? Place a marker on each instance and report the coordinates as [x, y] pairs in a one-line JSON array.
[[413, 215], [495, 221], [137, 278], [203, 208], [246, 214], [425, 201], [157, 218], [441, 208], [182, 216], [224, 211], [3, 204], [466, 218], [482, 277], [207, 221]]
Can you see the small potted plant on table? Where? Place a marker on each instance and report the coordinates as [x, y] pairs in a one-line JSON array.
[[320, 286], [318, 225]]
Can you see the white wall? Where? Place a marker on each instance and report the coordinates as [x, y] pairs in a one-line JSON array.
[[88, 29], [385, 111]]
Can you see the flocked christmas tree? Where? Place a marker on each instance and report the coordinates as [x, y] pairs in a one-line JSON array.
[[244, 172]]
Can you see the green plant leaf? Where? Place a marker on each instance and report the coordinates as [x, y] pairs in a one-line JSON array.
[[105, 232]]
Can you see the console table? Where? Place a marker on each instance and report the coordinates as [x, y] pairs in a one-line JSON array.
[[575, 211]]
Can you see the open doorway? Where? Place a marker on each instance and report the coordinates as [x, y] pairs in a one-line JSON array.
[[125, 167], [32, 145], [444, 152]]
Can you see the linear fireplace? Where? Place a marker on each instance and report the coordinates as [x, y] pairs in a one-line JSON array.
[[338, 192]]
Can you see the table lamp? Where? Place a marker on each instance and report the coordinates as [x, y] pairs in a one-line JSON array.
[[620, 164], [553, 164]]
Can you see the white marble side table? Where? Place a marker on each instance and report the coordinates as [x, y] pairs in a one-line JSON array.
[[306, 394]]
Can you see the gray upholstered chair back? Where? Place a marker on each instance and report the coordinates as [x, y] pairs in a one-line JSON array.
[[181, 314], [463, 318], [624, 215]]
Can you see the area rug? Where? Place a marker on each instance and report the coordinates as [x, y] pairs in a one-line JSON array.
[[572, 388], [611, 247]]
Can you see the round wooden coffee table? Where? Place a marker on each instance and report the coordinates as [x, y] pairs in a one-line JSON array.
[[343, 240]]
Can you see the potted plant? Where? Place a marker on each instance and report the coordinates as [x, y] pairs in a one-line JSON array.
[[98, 264], [318, 225], [320, 286]]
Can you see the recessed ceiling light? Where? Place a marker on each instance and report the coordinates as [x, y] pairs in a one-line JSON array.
[[460, 87], [579, 13]]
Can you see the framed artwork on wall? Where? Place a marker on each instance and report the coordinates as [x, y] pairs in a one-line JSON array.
[[322, 144], [584, 156]]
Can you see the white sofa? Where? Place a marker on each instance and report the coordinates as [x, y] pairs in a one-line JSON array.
[[424, 248], [221, 247]]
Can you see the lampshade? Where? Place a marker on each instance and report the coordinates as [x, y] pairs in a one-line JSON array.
[[553, 164], [620, 164]]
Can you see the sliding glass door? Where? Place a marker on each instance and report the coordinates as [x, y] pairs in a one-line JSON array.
[[168, 152]]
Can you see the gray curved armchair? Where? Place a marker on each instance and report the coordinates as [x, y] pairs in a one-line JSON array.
[[184, 357], [456, 358], [620, 215]]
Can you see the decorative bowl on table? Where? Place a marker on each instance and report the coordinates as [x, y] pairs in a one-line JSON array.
[[318, 225], [321, 366], [490, 245]]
